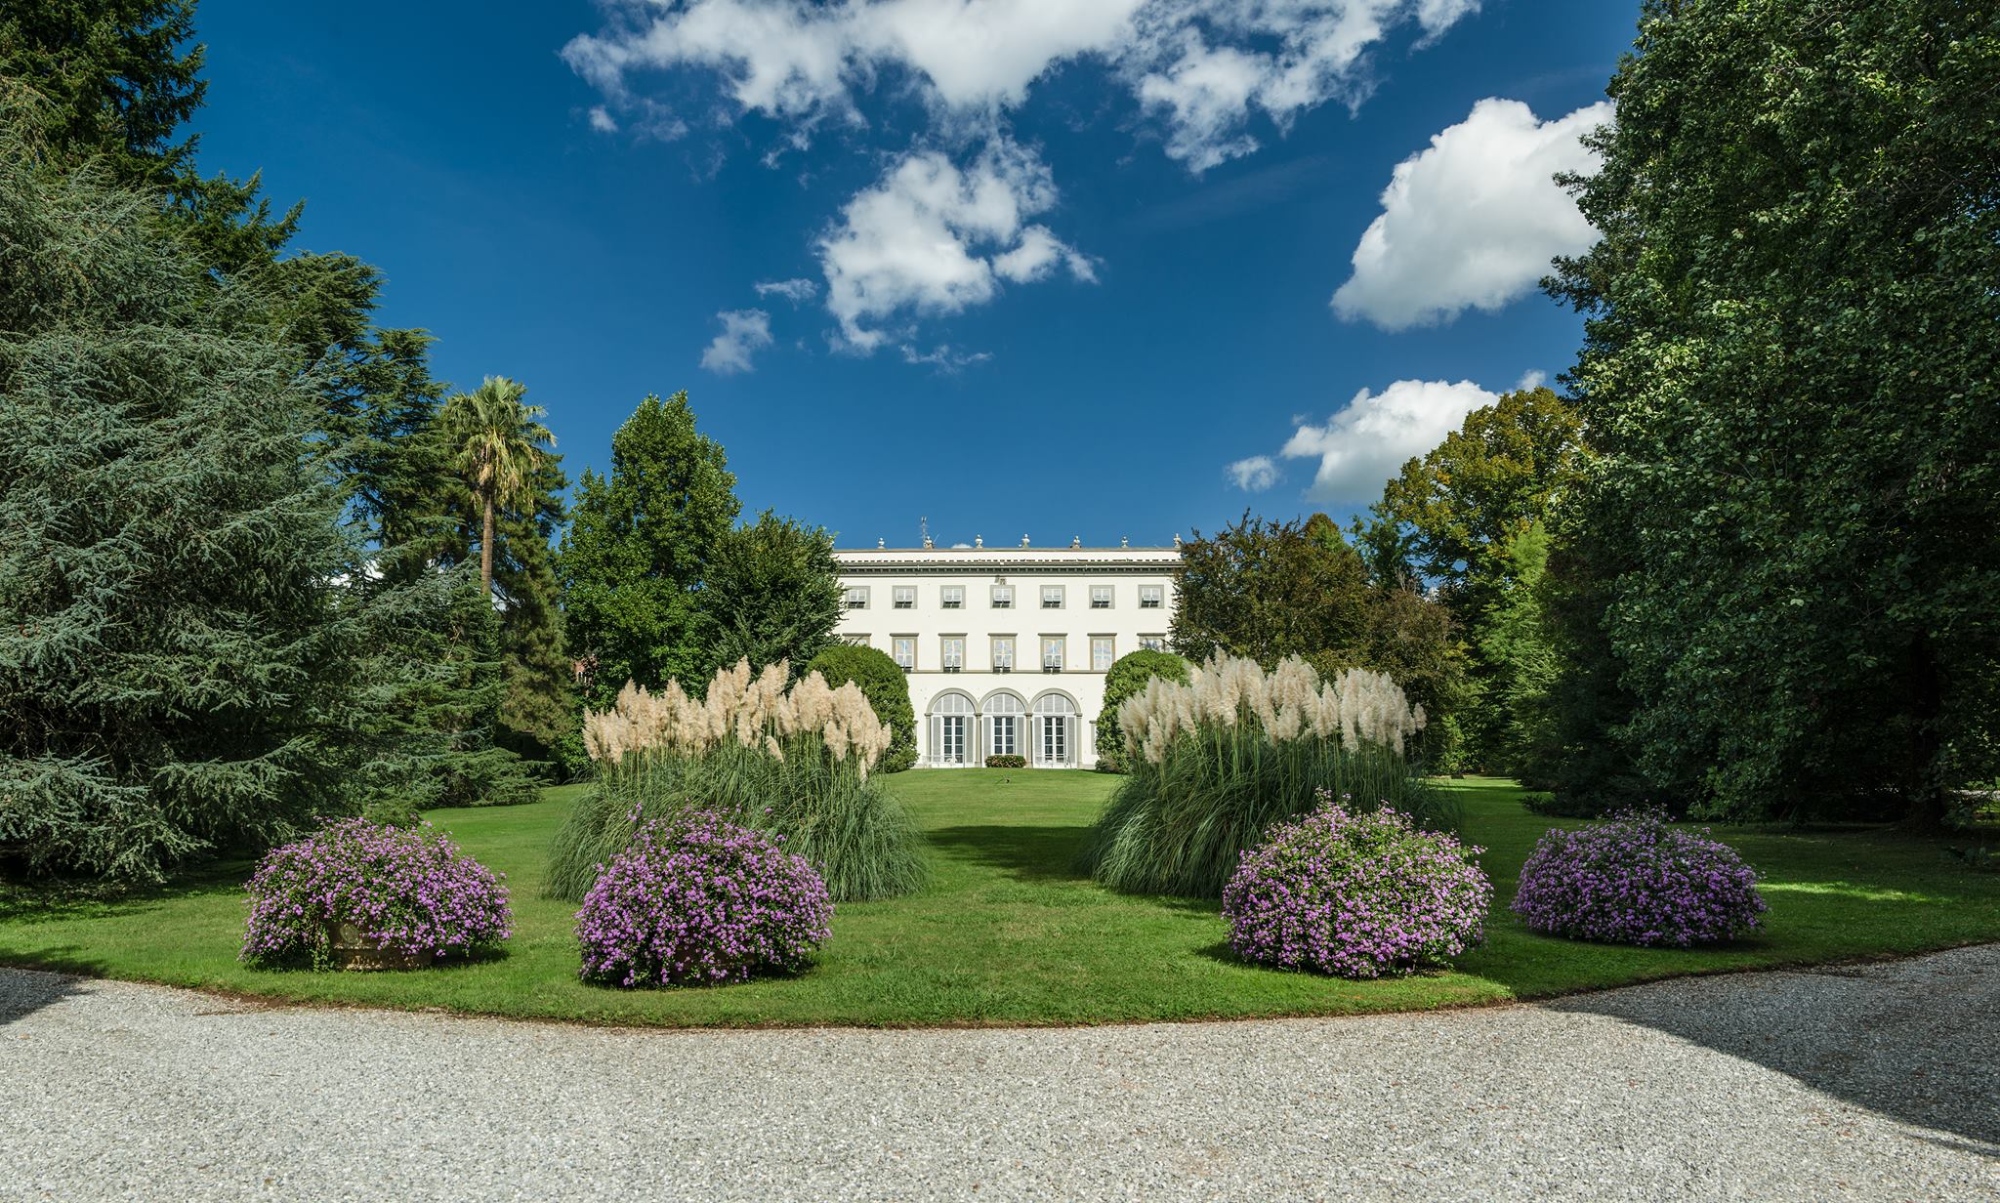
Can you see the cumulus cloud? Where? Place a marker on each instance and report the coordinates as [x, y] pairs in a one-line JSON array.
[[744, 333], [1369, 441], [602, 121], [1473, 220], [1255, 474], [930, 238], [1205, 66], [798, 290], [1531, 379]]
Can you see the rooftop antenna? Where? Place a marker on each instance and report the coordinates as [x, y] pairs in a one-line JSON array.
[[924, 529]]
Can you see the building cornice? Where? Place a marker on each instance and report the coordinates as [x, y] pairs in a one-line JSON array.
[[1003, 560]]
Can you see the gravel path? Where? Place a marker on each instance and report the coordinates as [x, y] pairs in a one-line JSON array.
[[1880, 1082]]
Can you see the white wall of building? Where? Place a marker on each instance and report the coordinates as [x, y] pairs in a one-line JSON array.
[[1052, 714]]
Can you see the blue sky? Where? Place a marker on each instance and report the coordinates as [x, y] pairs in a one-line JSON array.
[[1039, 267]]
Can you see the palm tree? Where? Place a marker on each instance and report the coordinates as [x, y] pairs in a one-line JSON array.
[[497, 443]]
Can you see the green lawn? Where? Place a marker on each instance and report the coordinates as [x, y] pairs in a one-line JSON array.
[[1008, 934]]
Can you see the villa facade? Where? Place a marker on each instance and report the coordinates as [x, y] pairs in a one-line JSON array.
[[1007, 647]]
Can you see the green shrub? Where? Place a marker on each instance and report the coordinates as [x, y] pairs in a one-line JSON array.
[[1006, 762], [1127, 677], [1217, 761], [887, 689], [793, 763]]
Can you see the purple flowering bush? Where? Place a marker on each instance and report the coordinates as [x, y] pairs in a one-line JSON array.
[[1632, 879], [695, 900], [407, 888], [1356, 894]]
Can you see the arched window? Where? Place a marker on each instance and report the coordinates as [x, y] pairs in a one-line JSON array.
[[951, 723], [1006, 723], [1053, 733]]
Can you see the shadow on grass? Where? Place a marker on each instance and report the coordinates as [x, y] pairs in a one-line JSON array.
[[1028, 853], [60, 900]]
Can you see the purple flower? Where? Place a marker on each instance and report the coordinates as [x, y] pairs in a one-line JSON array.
[[409, 890], [1634, 880], [697, 899], [1356, 895]]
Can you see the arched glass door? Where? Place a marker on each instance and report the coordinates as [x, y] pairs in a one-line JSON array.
[[1006, 725], [1054, 732], [951, 720]]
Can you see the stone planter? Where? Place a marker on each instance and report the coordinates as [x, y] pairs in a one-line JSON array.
[[352, 949]]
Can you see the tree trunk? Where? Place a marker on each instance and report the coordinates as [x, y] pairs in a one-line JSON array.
[[1924, 787], [486, 552]]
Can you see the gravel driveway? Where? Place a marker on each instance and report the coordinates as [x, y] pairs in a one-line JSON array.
[[1879, 1082]]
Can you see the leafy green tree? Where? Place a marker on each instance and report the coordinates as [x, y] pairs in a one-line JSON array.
[[192, 650], [1268, 590], [639, 541], [771, 592], [1791, 347], [1128, 676], [497, 443], [887, 689]]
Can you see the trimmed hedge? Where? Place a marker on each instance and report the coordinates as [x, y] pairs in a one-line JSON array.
[[1006, 762], [887, 689], [1127, 677]]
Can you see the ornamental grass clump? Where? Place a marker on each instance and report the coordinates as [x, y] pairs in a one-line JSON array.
[[698, 900], [1216, 761], [409, 891], [1633, 879], [1356, 894], [792, 760]]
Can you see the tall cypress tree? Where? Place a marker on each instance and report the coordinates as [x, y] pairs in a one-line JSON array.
[[639, 541]]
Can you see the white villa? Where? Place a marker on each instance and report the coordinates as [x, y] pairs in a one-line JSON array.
[[1006, 647]]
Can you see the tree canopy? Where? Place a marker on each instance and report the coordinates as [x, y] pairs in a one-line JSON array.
[[1789, 373]]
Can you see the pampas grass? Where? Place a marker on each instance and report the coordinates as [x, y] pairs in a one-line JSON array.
[[1217, 760], [793, 761]]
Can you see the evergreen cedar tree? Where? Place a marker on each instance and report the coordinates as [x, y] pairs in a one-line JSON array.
[[1128, 676], [1267, 590], [1783, 557], [887, 689], [196, 654], [328, 670]]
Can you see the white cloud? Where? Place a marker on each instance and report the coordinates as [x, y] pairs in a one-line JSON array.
[[744, 333], [1255, 474], [797, 290], [1366, 443], [1530, 380], [1472, 221], [945, 358], [930, 238], [602, 121], [1204, 65]]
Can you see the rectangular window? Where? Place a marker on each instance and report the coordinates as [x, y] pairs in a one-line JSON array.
[[1003, 735], [1052, 653], [1100, 597], [905, 651], [1003, 653], [855, 640], [952, 597], [1101, 653], [1003, 597], [953, 649], [856, 597], [1052, 597], [904, 597], [1152, 597], [1153, 643]]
